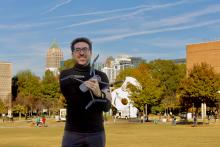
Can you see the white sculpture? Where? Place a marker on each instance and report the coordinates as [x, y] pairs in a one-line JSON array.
[[121, 100]]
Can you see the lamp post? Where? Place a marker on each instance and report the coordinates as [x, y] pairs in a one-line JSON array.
[[193, 109], [146, 111], [129, 110]]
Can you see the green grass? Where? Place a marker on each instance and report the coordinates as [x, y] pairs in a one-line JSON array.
[[120, 134]]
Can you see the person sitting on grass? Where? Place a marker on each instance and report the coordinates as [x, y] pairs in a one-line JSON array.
[[37, 120]]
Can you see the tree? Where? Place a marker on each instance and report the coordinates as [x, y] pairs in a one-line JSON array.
[[14, 88], [3, 108], [169, 75], [69, 63], [150, 93], [17, 102], [123, 74], [28, 90], [50, 92], [18, 108], [200, 86]]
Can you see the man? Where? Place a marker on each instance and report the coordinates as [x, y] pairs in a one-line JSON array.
[[84, 125]]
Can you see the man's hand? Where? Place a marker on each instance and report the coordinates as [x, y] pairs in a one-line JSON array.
[[93, 85]]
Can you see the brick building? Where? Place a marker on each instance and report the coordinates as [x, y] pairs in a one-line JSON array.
[[208, 52]]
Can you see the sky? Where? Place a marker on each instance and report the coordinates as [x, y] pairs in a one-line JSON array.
[[151, 29]]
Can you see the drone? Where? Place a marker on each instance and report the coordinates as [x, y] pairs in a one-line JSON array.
[[82, 86]]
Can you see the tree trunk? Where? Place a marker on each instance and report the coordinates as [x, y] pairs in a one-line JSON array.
[[19, 115]]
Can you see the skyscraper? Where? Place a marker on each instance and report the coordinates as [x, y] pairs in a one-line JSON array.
[[115, 65], [136, 61], [54, 58], [5, 83]]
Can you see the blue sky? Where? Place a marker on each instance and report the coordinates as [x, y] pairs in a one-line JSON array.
[[150, 29]]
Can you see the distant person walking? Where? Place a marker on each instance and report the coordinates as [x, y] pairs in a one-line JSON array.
[[3, 117], [174, 120], [194, 120], [216, 115]]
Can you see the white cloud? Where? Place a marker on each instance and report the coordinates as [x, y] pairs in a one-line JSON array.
[[33, 51], [18, 55], [4, 40], [154, 55], [104, 12], [24, 25], [135, 50], [159, 30], [37, 66], [144, 54], [142, 9], [184, 18], [61, 3], [153, 7], [158, 24], [167, 42], [111, 31], [33, 57], [90, 22]]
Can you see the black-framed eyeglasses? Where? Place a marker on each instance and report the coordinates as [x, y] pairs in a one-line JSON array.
[[78, 50]]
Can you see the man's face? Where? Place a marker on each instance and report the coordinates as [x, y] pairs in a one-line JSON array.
[[82, 53]]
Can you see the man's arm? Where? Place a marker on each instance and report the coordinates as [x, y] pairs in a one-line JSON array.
[[64, 84]]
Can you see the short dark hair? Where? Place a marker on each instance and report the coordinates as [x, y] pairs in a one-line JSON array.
[[81, 39]]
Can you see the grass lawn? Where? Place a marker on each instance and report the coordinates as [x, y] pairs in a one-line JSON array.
[[120, 134]]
